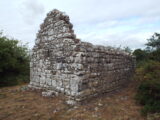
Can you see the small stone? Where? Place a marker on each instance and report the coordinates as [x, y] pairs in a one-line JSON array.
[[24, 88], [48, 94], [55, 111], [71, 102], [100, 104], [96, 108]]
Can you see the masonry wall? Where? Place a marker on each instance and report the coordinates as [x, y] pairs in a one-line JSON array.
[[104, 70], [62, 63]]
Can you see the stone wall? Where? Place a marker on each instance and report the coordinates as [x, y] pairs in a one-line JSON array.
[[62, 63]]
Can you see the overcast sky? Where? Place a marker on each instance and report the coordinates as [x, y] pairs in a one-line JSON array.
[[104, 22]]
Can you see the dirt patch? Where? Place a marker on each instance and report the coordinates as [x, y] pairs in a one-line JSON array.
[[16, 104]]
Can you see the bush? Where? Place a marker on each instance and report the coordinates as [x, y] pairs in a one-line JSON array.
[[155, 55], [148, 93], [14, 62], [142, 56]]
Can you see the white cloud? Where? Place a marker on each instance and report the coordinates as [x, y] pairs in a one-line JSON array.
[[106, 22], [31, 10]]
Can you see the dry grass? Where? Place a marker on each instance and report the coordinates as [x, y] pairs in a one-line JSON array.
[[25, 105]]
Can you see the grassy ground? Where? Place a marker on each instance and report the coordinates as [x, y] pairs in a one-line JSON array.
[[16, 104]]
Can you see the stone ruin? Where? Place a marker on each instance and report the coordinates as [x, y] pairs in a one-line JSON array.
[[63, 64]]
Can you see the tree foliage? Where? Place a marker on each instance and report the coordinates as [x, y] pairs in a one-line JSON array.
[[14, 62], [152, 51], [141, 55], [154, 41], [148, 73]]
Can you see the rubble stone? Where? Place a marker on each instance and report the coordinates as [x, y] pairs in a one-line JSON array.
[[62, 63]]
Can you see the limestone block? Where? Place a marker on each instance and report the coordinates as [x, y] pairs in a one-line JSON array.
[[67, 35], [61, 22], [78, 59], [59, 66]]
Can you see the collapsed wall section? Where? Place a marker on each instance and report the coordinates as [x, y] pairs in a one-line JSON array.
[[62, 63]]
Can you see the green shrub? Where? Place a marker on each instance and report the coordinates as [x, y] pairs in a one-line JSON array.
[[142, 56], [155, 55], [148, 93], [14, 62]]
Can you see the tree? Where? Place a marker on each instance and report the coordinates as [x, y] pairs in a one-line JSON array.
[[152, 51], [141, 55], [14, 62], [154, 41], [153, 46], [148, 73]]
